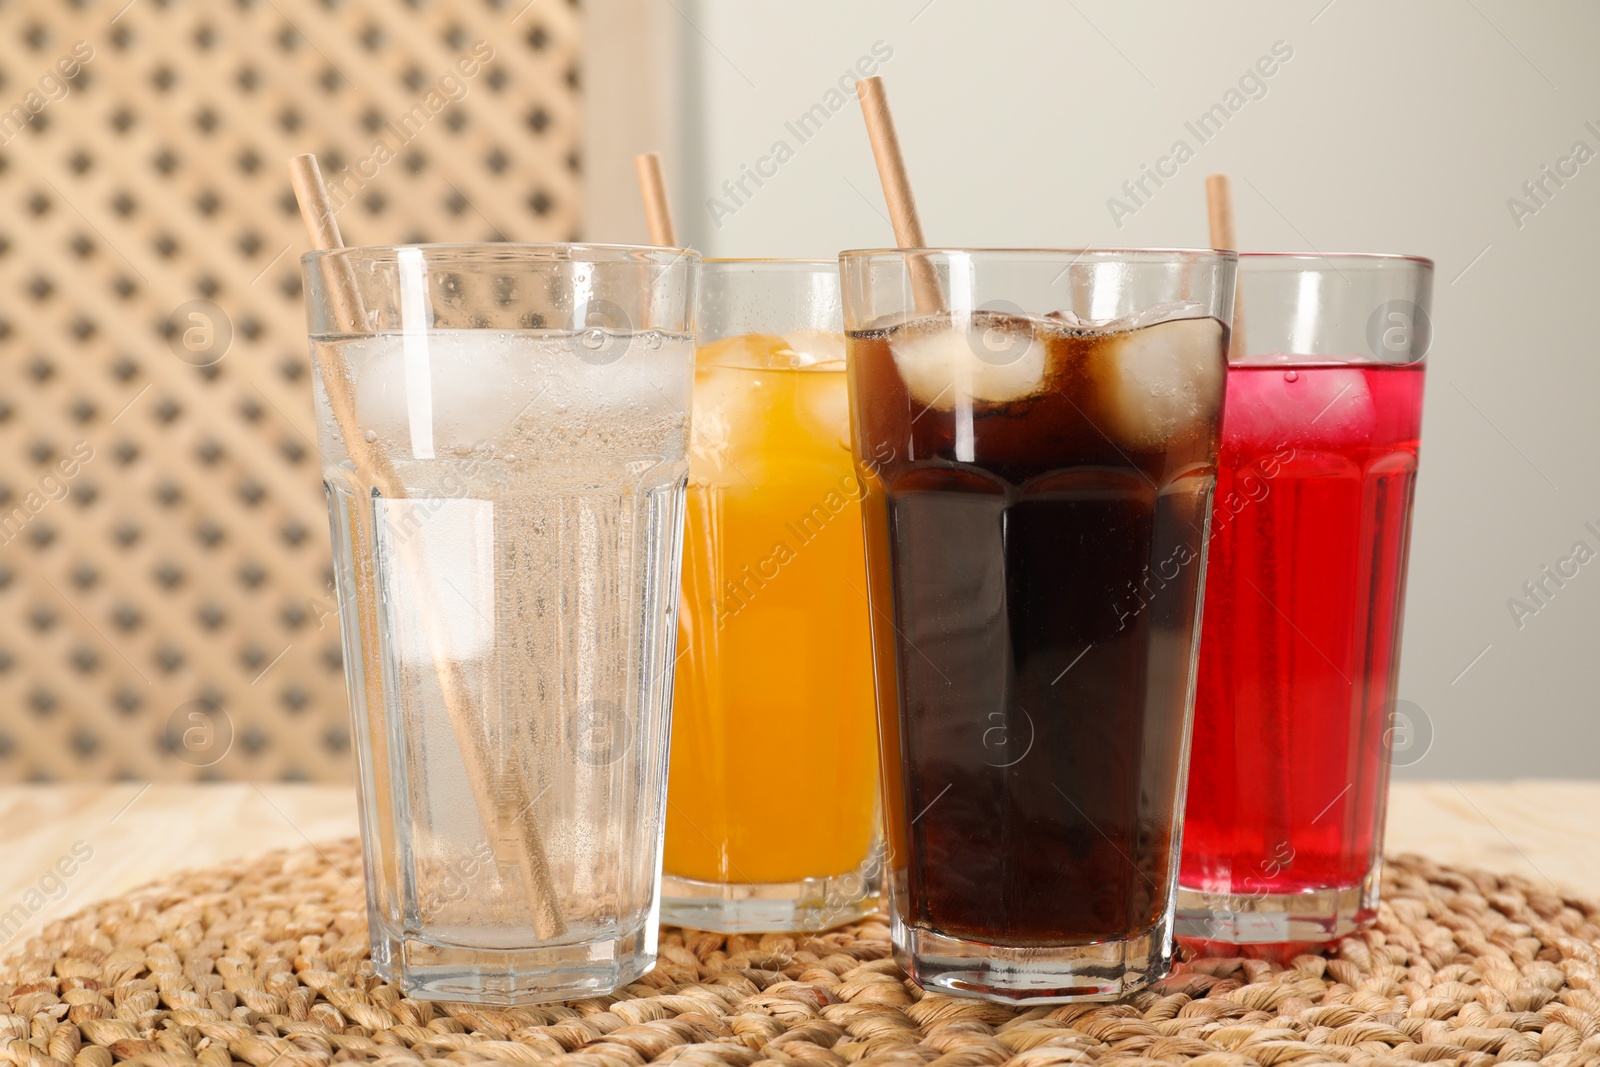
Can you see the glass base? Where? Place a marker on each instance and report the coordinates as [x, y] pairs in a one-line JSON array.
[[809, 905], [1060, 974], [427, 969], [1312, 916]]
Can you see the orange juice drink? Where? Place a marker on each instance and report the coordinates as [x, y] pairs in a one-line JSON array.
[[772, 817]]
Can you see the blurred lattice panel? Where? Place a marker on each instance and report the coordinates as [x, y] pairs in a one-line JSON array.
[[163, 544]]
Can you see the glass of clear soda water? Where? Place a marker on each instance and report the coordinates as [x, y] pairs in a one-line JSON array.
[[503, 431]]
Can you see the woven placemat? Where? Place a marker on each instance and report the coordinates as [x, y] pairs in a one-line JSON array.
[[265, 963]]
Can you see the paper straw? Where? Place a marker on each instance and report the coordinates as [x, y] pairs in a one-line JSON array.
[[902, 205], [1219, 215], [657, 211]]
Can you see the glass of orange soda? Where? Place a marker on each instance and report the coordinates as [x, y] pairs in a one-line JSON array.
[[772, 816]]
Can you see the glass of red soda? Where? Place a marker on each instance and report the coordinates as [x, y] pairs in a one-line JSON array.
[[1296, 721]]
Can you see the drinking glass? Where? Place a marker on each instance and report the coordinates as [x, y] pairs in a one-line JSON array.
[[1036, 432], [775, 668], [1296, 721], [503, 432]]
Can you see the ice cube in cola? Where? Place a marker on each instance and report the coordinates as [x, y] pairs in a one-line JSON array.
[[1039, 531]]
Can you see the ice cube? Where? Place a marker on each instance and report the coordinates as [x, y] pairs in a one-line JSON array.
[[469, 396], [822, 403], [989, 358], [816, 346], [1071, 319], [1157, 383], [630, 403], [521, 392], [1315, 406], [721, 398], [750, 351], [1155, 314], [1145, 316]]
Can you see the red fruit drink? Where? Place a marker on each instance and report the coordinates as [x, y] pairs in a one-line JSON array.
[[1299, 649]]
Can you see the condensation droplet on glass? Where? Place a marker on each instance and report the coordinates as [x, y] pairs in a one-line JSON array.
[[652, 339], [594, 338], [371, 436], [1291, 376]]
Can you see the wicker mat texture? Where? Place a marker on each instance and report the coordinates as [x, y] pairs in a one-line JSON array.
[[265, 963]]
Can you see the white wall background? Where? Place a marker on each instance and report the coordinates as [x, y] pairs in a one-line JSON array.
[[1394, 127]]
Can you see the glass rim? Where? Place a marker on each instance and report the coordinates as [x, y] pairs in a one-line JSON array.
[[768, 261], [523, 251], [1154, 255], [1332, 259]]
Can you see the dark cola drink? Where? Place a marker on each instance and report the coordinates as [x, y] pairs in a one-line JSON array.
[[1040, 536]]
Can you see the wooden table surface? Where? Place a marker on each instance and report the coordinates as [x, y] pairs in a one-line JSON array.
[[116, 837]]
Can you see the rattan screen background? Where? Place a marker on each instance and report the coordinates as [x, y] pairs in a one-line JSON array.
[[163, 541]]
